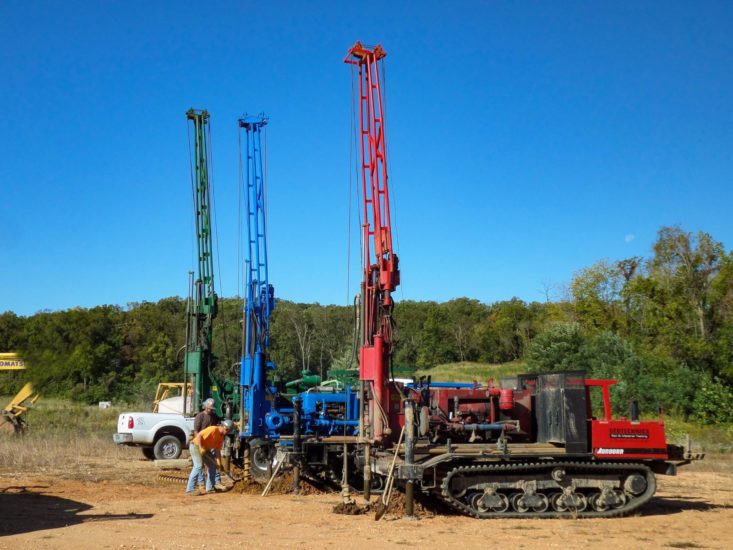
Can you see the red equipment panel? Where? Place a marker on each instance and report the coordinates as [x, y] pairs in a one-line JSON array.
[[623, 439]]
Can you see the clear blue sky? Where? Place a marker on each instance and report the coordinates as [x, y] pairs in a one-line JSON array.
[[527, 140]]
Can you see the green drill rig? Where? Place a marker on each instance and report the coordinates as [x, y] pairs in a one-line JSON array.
[[199, 360]]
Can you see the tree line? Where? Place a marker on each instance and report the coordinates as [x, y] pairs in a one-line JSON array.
[[662, 325]]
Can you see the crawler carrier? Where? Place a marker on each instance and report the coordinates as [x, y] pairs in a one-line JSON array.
[[530, 446]]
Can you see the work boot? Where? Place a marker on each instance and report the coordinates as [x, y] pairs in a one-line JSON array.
[[220, 487]]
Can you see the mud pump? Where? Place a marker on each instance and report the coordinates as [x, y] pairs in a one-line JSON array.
[[528, 446]]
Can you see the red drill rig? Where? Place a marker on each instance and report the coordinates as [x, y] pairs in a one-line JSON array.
[[528, 446]]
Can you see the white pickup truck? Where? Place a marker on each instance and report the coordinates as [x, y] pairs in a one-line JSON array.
[[160, 435]]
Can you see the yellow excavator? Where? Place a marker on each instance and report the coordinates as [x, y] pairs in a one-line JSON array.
[[11, 417], [167, 390]]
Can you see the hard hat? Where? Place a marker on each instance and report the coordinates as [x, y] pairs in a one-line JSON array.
[[208, 403], [228, 424]]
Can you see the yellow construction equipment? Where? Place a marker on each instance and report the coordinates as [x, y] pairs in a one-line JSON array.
[[11, 361], [11, 418], [169, 389]]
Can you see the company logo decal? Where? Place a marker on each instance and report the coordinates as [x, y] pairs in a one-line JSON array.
[[604, 451]]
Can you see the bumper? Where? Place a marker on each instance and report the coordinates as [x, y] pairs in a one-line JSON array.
[[122, 439]]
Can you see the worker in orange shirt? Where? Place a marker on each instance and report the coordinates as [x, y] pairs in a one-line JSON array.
[[207, 440]]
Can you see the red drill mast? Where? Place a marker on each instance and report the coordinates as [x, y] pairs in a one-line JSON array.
[[381, 272]]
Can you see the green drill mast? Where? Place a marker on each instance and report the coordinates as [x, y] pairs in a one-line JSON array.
[[202, 299]]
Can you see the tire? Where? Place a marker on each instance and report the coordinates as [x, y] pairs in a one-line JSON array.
[[260, 453], [148, 452], [168, 447]]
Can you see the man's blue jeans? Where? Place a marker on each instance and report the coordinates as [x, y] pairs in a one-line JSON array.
[[217, 480], [198, 469]]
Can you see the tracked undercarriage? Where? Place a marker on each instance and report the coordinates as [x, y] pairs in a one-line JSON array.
[[546, 489]]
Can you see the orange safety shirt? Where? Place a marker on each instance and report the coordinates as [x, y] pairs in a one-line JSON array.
[[210, 438]]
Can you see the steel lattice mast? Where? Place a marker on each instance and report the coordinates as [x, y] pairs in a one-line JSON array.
[[259, 299], [380, 263], [203, 301]]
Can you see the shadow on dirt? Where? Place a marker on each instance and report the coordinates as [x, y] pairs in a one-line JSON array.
[[676, 504], [26, 509]]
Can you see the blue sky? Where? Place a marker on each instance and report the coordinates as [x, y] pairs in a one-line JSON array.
[[526, 140]]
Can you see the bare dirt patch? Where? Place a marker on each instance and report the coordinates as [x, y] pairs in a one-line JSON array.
[[124, 505]]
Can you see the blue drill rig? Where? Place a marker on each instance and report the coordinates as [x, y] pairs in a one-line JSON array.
[[260, 423], [270, 417]]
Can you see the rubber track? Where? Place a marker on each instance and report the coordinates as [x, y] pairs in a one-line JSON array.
[[583, 468]]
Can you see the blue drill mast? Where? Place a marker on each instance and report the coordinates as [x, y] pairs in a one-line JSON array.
[[259, 294]]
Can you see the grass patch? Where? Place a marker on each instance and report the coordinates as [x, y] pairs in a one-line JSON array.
[[715, 439], [85, 457], [69, 440], [51, 415], [468, 371]]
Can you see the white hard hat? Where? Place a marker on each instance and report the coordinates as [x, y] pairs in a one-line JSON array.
[[208, 403]]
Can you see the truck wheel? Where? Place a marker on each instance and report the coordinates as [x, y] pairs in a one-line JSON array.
[[167, 447], [148, 453]]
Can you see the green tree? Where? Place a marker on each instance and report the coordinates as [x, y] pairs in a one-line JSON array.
[[291, 339], [410, 317], [596, 294], [713, 402], [463, 315], [11, 329], [688, 264], [436, 340], [559, 348]]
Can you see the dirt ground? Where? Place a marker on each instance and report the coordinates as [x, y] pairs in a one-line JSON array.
[[53, 510]]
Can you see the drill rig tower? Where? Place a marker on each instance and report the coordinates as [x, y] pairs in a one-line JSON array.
[[259, 297], [199, 360], [380, 264]]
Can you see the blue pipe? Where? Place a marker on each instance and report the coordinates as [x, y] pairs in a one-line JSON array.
[[482, 427]]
